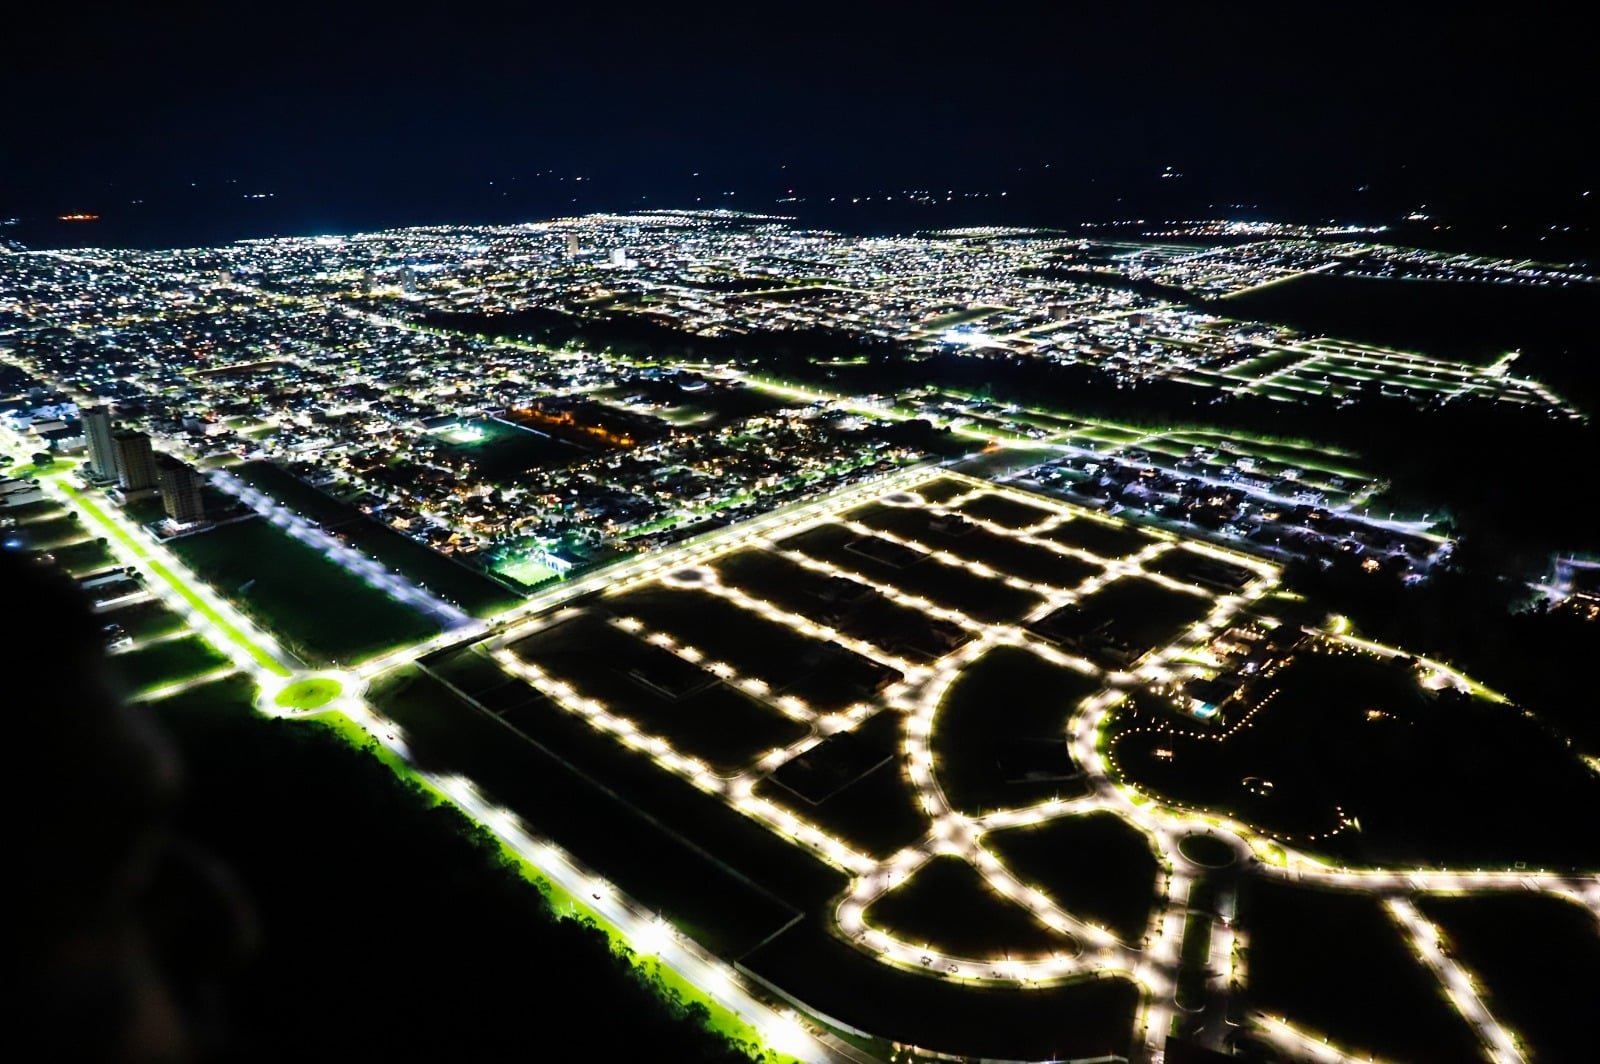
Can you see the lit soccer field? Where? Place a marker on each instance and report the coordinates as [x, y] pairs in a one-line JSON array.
[[462, 435], [525, 570]]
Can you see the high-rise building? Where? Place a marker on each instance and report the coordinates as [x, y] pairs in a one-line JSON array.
[[136, 462], [572, 244], [408, 280], [97, 434], [619, 257], [180, 491]]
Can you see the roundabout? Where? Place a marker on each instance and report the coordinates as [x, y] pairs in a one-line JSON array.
[[1207, 851], [306, 693]]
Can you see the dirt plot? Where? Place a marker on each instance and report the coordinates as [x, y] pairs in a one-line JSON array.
[[1099, 537], [999, 736], [950, 907], [1192, 567], [844, 605], [825, 675], [852, 786], [660, 692], [1005, 554], [953, 587], [1098, 867], [1004, 510]]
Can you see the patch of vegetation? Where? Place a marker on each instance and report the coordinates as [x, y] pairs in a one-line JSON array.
[[312, 693]]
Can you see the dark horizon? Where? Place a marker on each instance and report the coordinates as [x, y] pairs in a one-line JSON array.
[[164, 124]]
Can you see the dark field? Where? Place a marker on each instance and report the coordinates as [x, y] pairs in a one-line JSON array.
[[1537, 958], [1337, 964], [1123, 621], [1086, 1019], [145, 668], [825, 675], [1192, 567], [1475, 322], [783, 868], [1008, 707], [942, 491], [851, 785], [444, 578], [88, 556], [1004, 510], [141, 620], [844, 605], [1097, 537], [696, 892], [280, 804], [322, 612], [1007, 555], [1097, 867], [1431, 777], [949, 906], [952, 587], [660, 692]]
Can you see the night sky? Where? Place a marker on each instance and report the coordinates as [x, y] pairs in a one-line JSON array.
[[412, 112]]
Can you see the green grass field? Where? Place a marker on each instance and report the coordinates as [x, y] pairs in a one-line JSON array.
[[322, 612], [312, 693], [85, 557], [148, 668], [526, 571]]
